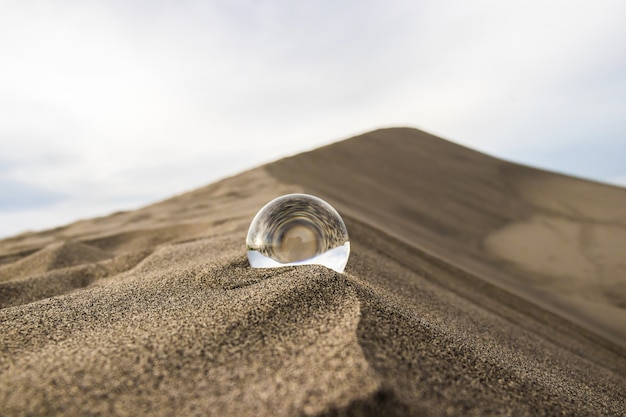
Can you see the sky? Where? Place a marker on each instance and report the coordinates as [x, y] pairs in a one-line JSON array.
[[109, 105]]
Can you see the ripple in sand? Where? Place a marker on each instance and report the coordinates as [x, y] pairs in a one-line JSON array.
[[297, 229]]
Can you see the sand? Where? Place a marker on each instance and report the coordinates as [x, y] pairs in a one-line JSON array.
[[474, 287]]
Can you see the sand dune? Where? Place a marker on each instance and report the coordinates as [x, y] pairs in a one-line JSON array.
[[475, 287], [556, 240]]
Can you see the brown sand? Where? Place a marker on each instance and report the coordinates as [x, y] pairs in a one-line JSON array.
[[474, 287]]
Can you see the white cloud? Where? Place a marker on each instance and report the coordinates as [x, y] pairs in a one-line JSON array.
[[98, 97], [621, 181]]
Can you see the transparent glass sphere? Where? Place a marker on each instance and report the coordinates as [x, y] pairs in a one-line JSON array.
[[297, 229]]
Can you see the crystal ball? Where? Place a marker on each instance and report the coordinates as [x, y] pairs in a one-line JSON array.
[[298, 229]]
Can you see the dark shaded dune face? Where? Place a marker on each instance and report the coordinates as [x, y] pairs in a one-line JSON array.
[[557, 240], [413, 181]]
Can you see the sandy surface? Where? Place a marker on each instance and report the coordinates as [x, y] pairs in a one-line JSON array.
[[474, 287]]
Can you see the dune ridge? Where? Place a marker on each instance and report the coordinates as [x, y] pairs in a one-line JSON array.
[[426, 320]]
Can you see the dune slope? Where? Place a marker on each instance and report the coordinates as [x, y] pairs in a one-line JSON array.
[[556, 240]]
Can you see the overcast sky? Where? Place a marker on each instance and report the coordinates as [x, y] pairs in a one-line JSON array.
[[109, 105]]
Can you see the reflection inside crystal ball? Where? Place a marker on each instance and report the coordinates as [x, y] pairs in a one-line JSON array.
[[297, 229]]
